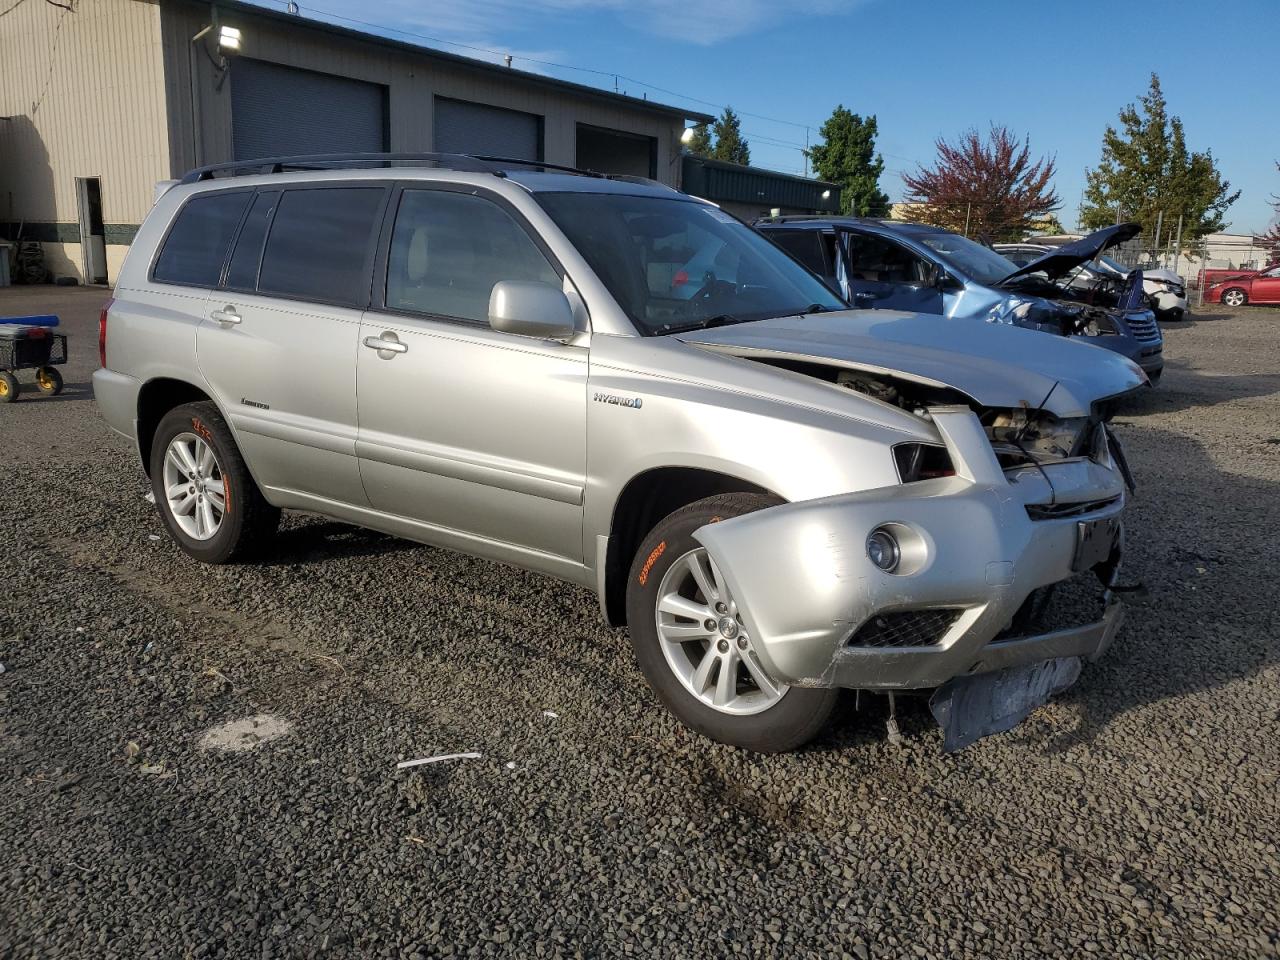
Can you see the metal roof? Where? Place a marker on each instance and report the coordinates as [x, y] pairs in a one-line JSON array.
[[468, 63], [719, 180]]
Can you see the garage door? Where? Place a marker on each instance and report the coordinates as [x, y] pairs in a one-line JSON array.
[[279, 111], [477, 128], [616, 151]]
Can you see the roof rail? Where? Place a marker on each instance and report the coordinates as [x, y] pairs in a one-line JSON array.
[[324, 161], [499, 162]]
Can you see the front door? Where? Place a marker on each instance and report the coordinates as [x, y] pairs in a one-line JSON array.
[[1266, 287], [885, 275], [464, 429], [278, 344]]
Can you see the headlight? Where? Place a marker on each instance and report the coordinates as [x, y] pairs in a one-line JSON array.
[[883, 550]]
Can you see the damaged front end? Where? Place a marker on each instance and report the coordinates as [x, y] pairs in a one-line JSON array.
[[1011, 504]]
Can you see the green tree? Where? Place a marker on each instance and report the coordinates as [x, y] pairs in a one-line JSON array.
[[848, 157], [700, 145], [730, 145], [1270, 238], [1146, 168]]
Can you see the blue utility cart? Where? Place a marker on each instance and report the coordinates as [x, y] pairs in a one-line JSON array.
[[29, 343]]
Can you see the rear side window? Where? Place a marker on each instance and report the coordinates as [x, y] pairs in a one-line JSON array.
[[242, 274], [321, 244], [804, 245], [194, 250], [449, 249]]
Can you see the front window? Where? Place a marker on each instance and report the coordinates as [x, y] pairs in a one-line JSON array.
[[678, 264], [972, 259]]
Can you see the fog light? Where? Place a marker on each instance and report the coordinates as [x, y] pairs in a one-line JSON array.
[[882, 549]]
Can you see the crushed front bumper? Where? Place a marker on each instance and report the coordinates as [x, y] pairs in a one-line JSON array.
[[971, 547]]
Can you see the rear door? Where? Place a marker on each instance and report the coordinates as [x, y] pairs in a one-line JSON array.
[[464, 428], [886, 275], [278, 343]]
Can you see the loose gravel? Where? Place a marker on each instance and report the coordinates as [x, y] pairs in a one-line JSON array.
[[1135, 816]]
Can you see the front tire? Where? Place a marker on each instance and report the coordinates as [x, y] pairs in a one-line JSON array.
[[209, 503], [1234, 297], [694, 649], [9, 388], [49, 381]]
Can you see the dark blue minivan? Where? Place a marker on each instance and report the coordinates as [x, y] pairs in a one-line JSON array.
[[885, 265]]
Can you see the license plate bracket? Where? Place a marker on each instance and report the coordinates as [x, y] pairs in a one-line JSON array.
[[1095, 540]]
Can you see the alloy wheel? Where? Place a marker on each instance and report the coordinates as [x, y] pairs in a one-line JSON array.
[[705, 642], [194, 486], [1233, 298]]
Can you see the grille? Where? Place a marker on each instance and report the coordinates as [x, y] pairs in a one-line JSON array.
[[1144, 327], [907, 628]]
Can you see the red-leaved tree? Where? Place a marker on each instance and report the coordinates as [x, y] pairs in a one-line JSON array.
[[987, 187]]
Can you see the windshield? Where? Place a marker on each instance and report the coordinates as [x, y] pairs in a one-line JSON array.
[[1117, 267], [972, 259], [678, 265]]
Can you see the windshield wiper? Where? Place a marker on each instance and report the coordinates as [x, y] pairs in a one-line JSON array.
[[704, 323]]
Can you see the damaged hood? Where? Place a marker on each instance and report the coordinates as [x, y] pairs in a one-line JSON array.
[[1069, 256], [996, 366]]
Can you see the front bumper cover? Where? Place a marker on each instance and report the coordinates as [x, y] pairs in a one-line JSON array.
[[805, 583]]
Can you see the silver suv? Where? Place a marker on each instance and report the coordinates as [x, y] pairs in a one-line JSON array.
[[615, 384]]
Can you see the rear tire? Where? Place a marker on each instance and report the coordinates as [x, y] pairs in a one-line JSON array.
[[9, 388], [49, 381], [749, 709], [209, 503], [1234, 297]]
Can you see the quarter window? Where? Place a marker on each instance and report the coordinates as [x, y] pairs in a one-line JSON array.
[[804, 245], [449, 249], [196, 246], [321, 244]]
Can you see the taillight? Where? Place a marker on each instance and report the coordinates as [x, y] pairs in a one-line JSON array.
[[102, 332]]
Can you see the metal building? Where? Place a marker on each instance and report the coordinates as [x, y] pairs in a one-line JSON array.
[[750, 192], [100, 99]]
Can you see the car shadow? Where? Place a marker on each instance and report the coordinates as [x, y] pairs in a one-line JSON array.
[[319, 540], [1185, 387]]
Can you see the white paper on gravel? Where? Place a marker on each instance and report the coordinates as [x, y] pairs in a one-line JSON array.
[[405, 764]]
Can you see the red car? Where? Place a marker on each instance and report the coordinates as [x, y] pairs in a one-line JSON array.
[[1258, 286]]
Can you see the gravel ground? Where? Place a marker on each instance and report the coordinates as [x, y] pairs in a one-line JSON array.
[[1137, 815]]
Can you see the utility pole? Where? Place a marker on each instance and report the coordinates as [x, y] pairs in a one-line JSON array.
[[1155, 246], [1177, 245], [806, 151], [968, 207]]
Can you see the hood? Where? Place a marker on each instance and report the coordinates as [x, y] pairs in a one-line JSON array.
[[1167, 276], [1071, 255], [995, 365]]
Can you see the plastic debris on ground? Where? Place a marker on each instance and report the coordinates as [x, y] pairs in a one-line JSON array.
[[970, 708], [551, 714], [404, 764]]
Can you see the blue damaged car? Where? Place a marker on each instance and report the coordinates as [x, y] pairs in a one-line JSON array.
[[879, 264]]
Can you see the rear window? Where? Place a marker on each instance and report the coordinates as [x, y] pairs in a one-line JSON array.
[[804, 245], [196, 246], [321, 245]]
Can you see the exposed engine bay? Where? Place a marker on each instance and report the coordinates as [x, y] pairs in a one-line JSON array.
[[1020, 436]]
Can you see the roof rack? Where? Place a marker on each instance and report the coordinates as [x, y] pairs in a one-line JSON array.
[[325, 161], [445, 161]]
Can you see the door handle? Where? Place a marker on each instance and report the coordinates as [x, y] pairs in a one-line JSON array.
[[226, 315], [386, 345]]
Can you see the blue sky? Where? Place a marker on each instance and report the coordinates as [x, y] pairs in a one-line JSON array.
[[1056, 71]]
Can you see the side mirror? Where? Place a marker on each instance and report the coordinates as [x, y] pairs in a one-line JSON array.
[[945, 282], [530, 309]]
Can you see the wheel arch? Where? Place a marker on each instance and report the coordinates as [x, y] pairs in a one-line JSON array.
[[157, 397], [644, 501], [1241, 290]]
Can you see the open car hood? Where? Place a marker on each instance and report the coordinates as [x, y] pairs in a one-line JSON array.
[[994, 365], [1066, 258]]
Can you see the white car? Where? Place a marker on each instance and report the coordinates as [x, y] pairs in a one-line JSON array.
[[1164, 289]]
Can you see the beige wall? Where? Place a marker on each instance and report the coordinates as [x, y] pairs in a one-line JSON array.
[[84, 92], [413, 81]]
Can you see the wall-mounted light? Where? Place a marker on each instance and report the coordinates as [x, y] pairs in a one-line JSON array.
[[687, 135], [826, 194], [229, 38]]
